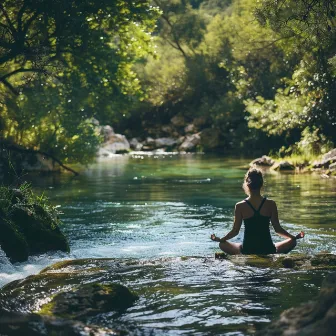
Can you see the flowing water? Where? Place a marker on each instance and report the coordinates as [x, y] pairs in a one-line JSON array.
[[162, 208]]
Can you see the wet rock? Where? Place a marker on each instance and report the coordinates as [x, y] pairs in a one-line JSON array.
[[190, 128], [39, 229], [104, 153], [296, 261], [28, 228], [210, 138], [283, 165], [312, 318], [135, 144], [329, 155], [165, 142], [89, 300], [117, 143], [107, 132], [18, 324], [263, 161], [190, 143], [327, 159], [12, 241], [332, 167]]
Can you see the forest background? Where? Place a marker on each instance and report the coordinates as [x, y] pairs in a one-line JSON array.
[[259, 74]]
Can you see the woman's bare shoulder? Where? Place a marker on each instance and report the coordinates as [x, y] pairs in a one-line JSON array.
[[270, 202], [240, 204]]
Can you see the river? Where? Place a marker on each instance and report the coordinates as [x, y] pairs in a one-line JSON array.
[[162, 208]]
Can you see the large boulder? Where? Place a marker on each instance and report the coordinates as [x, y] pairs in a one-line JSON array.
[[165, 142], [312, 318], [323, 260], [89, 300], [327, 159], [106, 132], [17, 324], [135, 144], [28, 227], [189, 129], [265, 161], [283, 166], [329, 155], [332, 167], [190, 142], [117, 143], [39, 229]]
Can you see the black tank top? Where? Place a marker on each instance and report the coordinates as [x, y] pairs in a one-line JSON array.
[[257, 236]]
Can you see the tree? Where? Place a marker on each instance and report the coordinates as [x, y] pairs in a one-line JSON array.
[[63, 62]]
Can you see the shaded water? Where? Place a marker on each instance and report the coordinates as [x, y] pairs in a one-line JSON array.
[[140, 207]]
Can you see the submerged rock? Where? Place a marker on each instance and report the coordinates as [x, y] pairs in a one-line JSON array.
[[262, 161], [18, 324], [283, 165], [88, 300], [312, 318], [321, 260]]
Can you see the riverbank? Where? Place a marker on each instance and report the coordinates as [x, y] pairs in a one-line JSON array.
[[153, 216], [325, 165]]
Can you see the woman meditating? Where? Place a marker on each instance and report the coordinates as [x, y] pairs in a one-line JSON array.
[[257, 212]]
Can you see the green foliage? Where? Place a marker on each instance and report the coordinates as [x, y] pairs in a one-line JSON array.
[[64, 62], [260, 72]]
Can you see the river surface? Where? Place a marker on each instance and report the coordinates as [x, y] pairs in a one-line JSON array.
[[161, 208]]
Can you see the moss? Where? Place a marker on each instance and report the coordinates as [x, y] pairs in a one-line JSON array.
[[297, 261], [88, 300], [29, 224]]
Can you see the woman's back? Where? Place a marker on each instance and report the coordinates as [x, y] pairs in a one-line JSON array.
[[257, 236]]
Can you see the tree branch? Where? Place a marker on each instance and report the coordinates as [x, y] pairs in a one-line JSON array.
[[26, 150], [23, 70], [9, 86], [10, 24]]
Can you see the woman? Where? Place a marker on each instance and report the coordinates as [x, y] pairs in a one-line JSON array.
[[257, 212]]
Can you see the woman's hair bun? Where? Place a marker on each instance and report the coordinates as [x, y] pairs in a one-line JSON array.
[[253, 180]]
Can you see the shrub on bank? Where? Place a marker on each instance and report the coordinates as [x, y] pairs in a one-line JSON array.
[[29, 224]]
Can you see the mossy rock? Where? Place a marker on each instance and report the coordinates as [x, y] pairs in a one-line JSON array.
[[18, 324], [312, 318], [28, 224], [296, 261], [12, 241], [88, 300]]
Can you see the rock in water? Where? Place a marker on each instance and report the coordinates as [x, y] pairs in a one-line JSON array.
[[310, 319], [263, 161], [18, 324], [88, 300], [28, 226], [283, 165], [190, 142]]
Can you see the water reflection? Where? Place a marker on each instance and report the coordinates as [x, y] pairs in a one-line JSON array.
[[154, 207]]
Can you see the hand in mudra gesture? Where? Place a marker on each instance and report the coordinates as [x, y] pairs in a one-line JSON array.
[[300, 235], [214, 238]]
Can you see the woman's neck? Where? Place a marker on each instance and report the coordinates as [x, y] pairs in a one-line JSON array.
[[255, 194]]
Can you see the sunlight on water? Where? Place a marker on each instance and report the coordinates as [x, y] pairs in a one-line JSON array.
[[155, 208]]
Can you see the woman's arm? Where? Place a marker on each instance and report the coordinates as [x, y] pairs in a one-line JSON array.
[[238, 218], [276, 225]]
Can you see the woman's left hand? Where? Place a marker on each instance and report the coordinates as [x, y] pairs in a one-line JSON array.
[[213, 237], [300, 235]]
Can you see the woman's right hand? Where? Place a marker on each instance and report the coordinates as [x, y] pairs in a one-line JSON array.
[[300, 235]]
